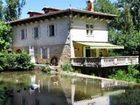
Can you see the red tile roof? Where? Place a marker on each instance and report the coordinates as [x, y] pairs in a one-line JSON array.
[[66, 12]]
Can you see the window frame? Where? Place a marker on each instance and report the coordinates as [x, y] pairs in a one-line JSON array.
[[45, 52], [23, 34], [89, 29], [51, 30], [36, 32]]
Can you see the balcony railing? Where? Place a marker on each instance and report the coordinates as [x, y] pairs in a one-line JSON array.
[[105, 61]]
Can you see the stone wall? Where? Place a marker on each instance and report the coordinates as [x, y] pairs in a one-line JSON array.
[[61, 52]]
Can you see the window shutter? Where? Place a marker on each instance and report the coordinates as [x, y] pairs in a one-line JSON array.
[[33, 33], [39, 31], [26, 33], [20, 34], [41, 52], [48, 53], [55, 29]]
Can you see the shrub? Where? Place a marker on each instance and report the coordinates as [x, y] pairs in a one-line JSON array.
[[15, 61], [67, 67], [46, 69], [129, 76]]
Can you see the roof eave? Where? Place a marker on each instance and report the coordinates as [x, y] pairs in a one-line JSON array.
[[63, 12]]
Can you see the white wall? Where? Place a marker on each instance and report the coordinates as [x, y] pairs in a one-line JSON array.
[[61, 36], [78, 31]]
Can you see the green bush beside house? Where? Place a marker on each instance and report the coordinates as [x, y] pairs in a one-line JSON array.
[[15, 61], [131, 75]]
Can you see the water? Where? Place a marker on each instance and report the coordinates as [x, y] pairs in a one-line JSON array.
[[37, 88]]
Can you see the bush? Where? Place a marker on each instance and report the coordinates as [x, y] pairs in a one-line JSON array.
[[46, 69], [129, 76], [15, 61], [67, 67]]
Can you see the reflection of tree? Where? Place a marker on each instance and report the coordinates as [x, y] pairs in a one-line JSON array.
[[130, 97], [79, 95]]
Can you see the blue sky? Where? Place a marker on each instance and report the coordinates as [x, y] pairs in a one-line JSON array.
[[37, 5]]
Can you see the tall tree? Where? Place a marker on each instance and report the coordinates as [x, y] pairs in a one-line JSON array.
[[1, 10], [125, 29], [13, 8], [105, 6]]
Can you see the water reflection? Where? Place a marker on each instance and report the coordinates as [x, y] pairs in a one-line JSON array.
[[36, 88]]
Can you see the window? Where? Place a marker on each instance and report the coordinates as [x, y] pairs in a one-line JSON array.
[[23, 34], [51, 30], [44, 53], [89, 29], [36, 32]]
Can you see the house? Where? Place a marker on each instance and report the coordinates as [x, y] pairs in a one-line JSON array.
[[57, 36]]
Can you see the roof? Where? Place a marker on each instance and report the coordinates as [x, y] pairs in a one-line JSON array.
[[66, 12]]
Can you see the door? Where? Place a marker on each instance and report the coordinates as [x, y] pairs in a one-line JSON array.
[[88, 52]]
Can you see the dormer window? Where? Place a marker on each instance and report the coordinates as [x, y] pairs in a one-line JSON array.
[[23, 34], [89, 29]]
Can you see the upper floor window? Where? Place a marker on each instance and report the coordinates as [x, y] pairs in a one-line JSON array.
[[23, 34], [36, 32], [51, 30], [89, 29]]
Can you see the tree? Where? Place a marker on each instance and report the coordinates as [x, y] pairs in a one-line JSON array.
[[105, 6], [13, 8], [5, 36], [125, 29], [1, 10]]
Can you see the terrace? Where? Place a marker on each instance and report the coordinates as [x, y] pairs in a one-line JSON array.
[[104, 61]]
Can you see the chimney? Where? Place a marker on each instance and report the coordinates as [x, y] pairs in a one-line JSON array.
[[90, 6], [34, 14], [49, 10]]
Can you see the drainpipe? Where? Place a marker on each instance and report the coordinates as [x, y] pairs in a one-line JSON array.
[[69, 34]]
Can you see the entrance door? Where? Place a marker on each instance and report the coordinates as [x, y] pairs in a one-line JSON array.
[[88, 52]]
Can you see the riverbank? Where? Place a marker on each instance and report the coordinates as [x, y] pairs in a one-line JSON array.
[[106, 82]]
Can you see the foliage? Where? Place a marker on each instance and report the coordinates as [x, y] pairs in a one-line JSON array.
[[130, 97], [1, 10], [124, 30], [105, 6], [15, 61], [12, 9], [129, 76], [67, 66], [5, 36], [46, 69]]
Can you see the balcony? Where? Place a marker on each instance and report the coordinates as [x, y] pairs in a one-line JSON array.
[[105, 61]]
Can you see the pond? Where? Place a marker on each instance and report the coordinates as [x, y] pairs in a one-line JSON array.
[[37, 88]]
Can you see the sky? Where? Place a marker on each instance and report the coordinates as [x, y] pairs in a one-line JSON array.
[[37, 5]]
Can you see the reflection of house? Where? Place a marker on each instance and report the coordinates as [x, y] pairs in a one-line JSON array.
[[58, 35]]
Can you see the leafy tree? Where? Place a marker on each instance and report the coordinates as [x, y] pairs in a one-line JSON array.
[[124, 29], [105, 6], [13, 8], [5, 36], [1, 10]]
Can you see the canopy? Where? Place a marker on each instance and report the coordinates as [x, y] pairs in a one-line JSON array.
[[96, 45]]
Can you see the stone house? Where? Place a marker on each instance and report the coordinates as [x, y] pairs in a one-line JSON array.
[[57, 35]]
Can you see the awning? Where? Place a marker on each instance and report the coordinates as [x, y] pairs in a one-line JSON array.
[[97, 45]]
